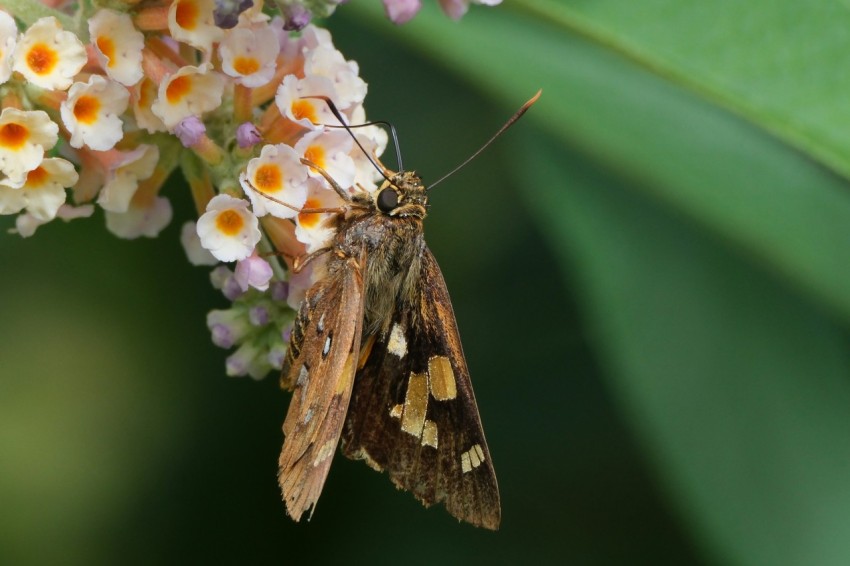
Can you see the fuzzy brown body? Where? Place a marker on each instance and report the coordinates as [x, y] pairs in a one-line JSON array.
[[376, 364]]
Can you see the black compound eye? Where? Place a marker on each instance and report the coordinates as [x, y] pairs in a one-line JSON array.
[[387, 200]]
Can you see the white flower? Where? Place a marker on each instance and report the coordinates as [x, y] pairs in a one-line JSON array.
[[24, 136], [26, 224], [43, 192], [8, 39], [122, 179], [249, 54], [144, 95], [48, 56], [311, 113], [278, 174], [313, 229], [190, 91], [228, 229], [118, 45], [330, 151], [91, 113], [195, 252], [327, 62], [192, 22], [147, 219]]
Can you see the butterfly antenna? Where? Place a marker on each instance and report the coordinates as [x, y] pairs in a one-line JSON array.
[[517, 115], [335, 111]]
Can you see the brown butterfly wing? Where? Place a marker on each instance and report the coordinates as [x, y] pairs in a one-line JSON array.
[[320, 366], [413, 412]]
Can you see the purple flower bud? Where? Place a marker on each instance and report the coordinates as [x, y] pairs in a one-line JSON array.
[[253, 271], [258, 315], [190, 131], [295, 16], [401, 11], [247, 135], [279, 290], [226, 13], [222, 336]]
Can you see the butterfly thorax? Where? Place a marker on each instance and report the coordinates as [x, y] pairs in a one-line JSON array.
[[386, 227]]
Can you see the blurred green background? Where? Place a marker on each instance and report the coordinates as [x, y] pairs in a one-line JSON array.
[[650, 274]]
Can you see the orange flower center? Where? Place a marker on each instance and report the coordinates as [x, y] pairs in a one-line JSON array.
[[86, 109], [229, 222], [302, 109], [310, 219], [178, 88], [13, 136], [107, 47], [187, 15], [42, 59], [246, 65], [316, 154], [37, 177], [268, 178]]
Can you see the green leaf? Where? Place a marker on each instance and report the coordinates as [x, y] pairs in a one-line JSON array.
[[773, 203], [736, 385]]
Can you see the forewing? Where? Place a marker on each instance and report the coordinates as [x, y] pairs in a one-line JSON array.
[[321, 366], [413, 412]]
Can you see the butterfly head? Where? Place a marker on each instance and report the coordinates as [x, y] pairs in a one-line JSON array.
[[402, 194]]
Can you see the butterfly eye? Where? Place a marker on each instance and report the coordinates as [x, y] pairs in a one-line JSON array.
[[387, 200]]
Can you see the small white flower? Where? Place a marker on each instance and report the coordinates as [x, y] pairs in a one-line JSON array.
[[144, 95], [249, 54], [43, 192], [24, 136], [8, 39], [327, 62], [190, 91], [26, 224], [277, 173], [312, 228], [122, 179], [48, 56], [311, 113], [192, 22], [228, 229], [195, 252], [330, 151], [118, 45], [91, 113], [141, 219]]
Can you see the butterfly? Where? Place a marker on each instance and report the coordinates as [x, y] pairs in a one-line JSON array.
[[375, 362]]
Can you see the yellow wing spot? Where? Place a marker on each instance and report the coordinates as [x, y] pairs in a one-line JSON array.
[[395, 411], [472, 458], [442, 378], [415, 404], [429, 434]]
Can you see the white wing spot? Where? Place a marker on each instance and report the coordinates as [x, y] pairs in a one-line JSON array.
[[398, 343], [320, 326], [327, 347]]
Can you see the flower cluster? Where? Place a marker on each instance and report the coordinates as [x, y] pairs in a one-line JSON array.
[[234, 97]]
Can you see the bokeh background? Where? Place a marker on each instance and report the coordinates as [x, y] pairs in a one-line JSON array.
[[650, 273]]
